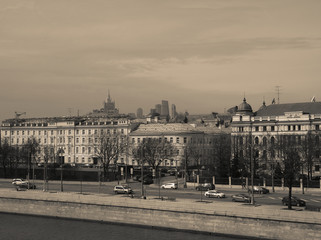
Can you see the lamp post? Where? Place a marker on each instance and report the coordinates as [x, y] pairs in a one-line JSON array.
[[61, 161]]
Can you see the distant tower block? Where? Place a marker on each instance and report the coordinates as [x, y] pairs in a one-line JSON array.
[[164, 108], [139, 113], [173, 111], [158, 108]]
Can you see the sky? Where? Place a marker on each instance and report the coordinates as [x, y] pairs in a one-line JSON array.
[[60, 57]]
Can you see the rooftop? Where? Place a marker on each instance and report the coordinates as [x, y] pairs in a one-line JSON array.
[[280, 109]]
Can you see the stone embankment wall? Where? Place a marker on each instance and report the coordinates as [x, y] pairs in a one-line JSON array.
[[192, 221]]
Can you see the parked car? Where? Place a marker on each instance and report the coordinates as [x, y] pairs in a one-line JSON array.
[[295, 201], [169, 185], [17, 181], [241, 198], [205, 187], [122, 189], [258, 189], [214, 193], [22, 183]]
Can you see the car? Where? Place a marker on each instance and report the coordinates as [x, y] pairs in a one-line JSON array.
[[214, 193], [169, 185], [17, 181], [258, 189], [241, 198], [205, 187], [122, 189], [22, 183], [295, 201]]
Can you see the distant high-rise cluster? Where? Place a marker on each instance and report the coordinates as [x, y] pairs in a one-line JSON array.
[[139, 113]]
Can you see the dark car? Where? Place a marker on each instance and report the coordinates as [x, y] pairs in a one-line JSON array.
[[241, 198], [260, 190], [205, 187], [295, 201]]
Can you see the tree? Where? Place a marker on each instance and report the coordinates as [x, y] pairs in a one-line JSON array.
[[5, 153], [155, 151], [30, 149], [290, 158], [108, 148], [221, 154]]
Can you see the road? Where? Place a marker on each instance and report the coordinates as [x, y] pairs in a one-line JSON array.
[[154, 190]]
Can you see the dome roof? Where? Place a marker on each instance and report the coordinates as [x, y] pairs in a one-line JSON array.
[[244, 107]]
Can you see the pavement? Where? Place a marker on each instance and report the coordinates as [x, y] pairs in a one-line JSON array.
[[275, 212]]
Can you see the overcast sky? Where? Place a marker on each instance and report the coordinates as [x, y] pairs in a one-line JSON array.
[[202, 55]]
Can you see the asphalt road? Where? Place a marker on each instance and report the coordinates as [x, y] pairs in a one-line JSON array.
[[154, 190]]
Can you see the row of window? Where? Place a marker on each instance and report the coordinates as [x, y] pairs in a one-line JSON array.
[[63, 132], [274, 128], [170, 139]]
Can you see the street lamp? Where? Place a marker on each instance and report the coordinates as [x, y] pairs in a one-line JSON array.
[[61, 161]]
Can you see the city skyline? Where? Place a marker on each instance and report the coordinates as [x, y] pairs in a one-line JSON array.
[[60, 57]]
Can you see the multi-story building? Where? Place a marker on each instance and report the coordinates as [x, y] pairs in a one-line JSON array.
[[266, 126], [182, 135], [76, 136]]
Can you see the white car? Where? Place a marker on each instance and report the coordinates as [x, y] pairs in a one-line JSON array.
[[19, 181], [214, 193], [22, 183], [122, 189], [170, 185]]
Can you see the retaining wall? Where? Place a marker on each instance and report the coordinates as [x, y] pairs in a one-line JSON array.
[[192, 221]]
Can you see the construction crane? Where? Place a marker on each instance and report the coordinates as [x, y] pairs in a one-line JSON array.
[[18, 114]]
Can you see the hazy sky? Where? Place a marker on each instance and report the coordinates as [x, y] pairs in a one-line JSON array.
[[202, 55]]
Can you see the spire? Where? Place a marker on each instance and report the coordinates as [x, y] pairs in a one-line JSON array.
[[108, 99]]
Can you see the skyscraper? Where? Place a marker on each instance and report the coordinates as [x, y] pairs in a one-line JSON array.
[[164, 108], [173, 111], [139, 113], [158, 108]]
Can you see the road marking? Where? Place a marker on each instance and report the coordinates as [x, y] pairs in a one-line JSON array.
[[314, 200], [305, 200], [280, 198], [272, 198]]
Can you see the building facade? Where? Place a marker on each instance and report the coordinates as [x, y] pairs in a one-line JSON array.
[[75, 137], [264, 128]]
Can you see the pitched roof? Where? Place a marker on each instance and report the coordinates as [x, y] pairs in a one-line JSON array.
[[280, 109]]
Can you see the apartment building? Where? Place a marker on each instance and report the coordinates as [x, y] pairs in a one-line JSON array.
[[73, 138], [269, 124]]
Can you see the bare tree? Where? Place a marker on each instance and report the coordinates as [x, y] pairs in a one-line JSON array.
[[156, 151], [221, 146], [108, 148], [31, 149], [290, 158], [6, 152]]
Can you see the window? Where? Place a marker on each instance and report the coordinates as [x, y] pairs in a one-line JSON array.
[[264, 141], [122, 131], [23, 132], [45, 141], [23, 141], [83, 159], [83, 140], [115, 131], [69, 132], [185, 139], [138, 140], [317, 127], [317, 168], [264, 128], [83, 150], [256, 140], [89, 131], [272, 128], [77, 159], [17, 132], [177, 140], [77, 140], [77, 150], [257, 129], [171, 139], [77, 131], [89, 150], [289, 128], [83, 132]]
